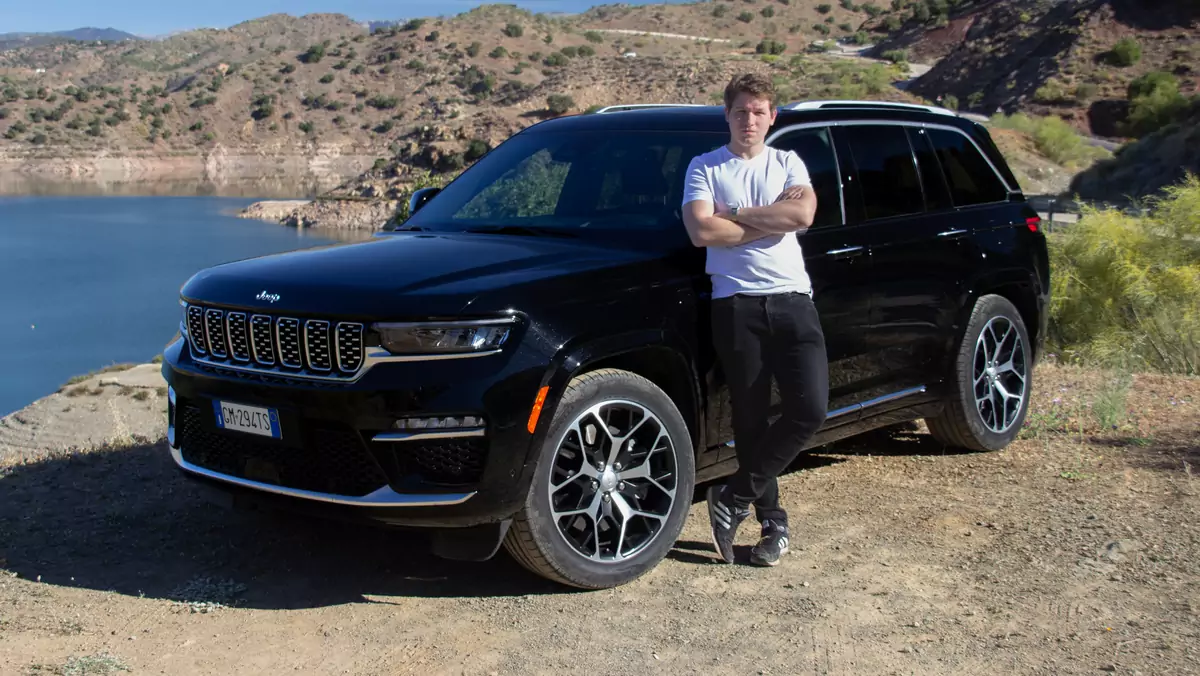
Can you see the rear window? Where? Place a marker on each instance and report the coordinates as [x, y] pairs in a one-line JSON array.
[[968, 174]]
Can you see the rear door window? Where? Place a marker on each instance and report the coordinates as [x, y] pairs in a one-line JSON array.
[[970, 177], [889, 184]]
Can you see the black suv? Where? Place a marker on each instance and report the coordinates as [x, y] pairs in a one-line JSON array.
[[526, 361]]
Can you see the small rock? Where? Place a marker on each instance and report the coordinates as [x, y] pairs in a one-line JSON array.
[[1108, 667], [906, 649]]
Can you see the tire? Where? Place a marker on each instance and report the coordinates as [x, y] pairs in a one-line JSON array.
[[535, 538], [991, 421]]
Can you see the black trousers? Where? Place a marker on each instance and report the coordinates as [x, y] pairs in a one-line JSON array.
[[758, 338]]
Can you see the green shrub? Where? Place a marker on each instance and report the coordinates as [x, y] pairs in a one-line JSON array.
[[514, 30], [1125, 53], [824, 8], [1154, 102], [475, 150], [558, 104], [326, 78], [314, 54], [593, 36], [771, 47], [473, 49], [745, 17], [767, 12], [896, 55], [1054, 138], [1125, 287], [498, 53]]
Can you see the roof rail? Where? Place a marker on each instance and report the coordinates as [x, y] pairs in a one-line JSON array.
[[637, 106], [815, 105]]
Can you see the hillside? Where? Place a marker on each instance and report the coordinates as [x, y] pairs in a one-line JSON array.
[[283, 84], [1076, 59], [1145, 167], [18, 40]]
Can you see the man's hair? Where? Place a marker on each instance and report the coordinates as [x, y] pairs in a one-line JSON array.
[[758, 86]]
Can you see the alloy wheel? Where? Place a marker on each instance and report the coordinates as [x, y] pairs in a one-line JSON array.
[[612, 481], [999, 374]]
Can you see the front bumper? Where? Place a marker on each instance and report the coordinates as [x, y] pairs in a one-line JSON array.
[[341, 456]]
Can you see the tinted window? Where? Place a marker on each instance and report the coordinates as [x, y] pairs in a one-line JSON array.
[[815, 148], [887, 174], [937, 195], [971, 179], [577, 182]]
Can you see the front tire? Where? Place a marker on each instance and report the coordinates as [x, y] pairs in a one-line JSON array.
[[613, 484], [992, 380]]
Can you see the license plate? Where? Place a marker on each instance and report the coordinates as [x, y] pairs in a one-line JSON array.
[[250, 419]]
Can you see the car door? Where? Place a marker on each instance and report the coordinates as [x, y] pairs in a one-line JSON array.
[[836, 258], [920, 254]]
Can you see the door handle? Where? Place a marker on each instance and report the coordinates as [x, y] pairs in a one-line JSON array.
[[952, 233], [845, 253]]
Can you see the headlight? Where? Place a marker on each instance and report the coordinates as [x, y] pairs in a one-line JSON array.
[[445, 337]]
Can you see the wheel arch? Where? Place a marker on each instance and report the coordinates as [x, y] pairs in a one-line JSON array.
[[650, 354], [1020, 289]]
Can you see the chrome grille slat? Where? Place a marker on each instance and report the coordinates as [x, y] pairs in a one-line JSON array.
[[262, 339], [196, 330], [215, 332], [348, 344], [288, 342], [239, 338], [316, 345]]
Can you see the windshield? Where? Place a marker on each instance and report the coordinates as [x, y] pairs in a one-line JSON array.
[[572, 183]]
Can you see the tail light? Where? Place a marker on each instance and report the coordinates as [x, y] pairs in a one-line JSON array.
[[1033, 222]]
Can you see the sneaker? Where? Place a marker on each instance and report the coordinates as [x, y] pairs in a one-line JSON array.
[[772, 545], [725, 519]]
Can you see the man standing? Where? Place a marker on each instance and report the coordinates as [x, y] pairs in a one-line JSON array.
[[745, 202]]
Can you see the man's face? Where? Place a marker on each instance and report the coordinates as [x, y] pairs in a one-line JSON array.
[[749, 119]]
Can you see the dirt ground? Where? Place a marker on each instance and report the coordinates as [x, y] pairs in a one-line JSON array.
[[1074, 551]]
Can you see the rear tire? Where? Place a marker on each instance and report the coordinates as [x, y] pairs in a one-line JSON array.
[[991, 382], [607, 501]]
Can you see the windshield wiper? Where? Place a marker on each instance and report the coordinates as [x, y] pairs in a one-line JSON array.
[[532, 230]]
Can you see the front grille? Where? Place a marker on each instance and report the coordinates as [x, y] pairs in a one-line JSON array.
[[445, 461], [284, 346], [333, 460]]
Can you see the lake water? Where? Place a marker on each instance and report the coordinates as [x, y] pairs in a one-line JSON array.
[[91, 281]]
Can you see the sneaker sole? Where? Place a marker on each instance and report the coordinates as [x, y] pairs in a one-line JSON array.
[[763, 562], [713, 493]]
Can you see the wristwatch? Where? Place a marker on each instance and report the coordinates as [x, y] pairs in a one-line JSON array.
[[733, 212]]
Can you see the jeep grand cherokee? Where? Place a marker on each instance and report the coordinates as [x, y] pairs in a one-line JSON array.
[[525, 360]]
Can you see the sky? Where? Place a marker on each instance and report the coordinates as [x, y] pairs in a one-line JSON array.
[[158, 17]]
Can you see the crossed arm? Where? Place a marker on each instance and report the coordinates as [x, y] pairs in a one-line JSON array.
[[792, 212]]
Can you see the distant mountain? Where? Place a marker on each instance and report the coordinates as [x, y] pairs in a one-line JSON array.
[[86, 34]]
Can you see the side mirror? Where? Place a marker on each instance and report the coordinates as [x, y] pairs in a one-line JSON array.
[[420, 197]]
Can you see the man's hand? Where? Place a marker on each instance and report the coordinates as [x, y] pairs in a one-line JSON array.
[[793, 193]]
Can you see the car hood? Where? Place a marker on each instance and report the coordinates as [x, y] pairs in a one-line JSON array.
[[406, 275]]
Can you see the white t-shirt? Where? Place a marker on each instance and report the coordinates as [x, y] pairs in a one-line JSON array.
[[773, 264]]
